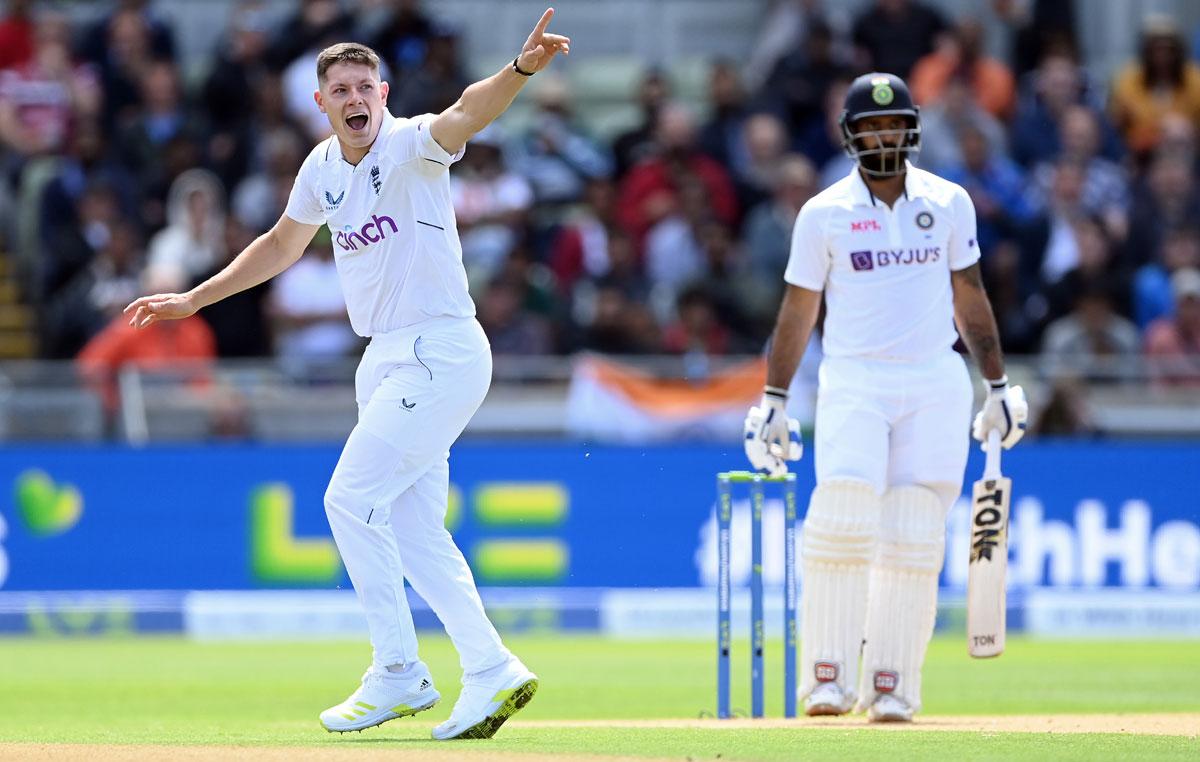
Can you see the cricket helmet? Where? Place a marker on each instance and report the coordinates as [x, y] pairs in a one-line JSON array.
[[880, 94]]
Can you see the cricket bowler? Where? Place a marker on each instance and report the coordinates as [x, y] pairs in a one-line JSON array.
[[381, 184], [893, 250]]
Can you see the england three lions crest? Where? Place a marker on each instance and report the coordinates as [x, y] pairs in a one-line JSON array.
[[376, 180]]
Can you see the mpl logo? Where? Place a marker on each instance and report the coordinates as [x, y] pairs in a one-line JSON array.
[[865, 226], [373, 231]]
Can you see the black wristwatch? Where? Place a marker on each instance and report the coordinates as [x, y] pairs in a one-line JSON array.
[[519, 70]]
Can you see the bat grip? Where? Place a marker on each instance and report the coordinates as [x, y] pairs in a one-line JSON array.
[[991, 449]]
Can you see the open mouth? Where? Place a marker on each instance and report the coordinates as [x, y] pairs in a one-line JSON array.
[[357, 121]]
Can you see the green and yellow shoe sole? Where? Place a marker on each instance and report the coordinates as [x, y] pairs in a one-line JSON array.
[[517, 698]]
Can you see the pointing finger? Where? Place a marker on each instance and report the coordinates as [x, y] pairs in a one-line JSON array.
[[543, 22]]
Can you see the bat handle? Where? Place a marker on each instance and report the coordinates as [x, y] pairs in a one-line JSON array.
[[991, 449]]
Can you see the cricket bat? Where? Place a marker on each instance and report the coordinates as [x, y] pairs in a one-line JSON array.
[[987, 598]]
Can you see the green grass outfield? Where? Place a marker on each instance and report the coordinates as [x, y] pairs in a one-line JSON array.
[[168, 691]]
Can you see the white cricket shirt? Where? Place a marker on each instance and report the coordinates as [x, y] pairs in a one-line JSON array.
[[395, 242], [885, 272]]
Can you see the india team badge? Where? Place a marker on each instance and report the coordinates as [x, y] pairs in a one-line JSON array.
[[881, 91], [924, 220]]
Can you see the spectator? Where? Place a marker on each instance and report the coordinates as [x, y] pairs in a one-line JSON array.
[[1050, 249], [1092, 339], [826, 150], [1093, 265], [164, 344], [1173, 344], [698, 327], [651, 190], [556, 155], [71, 247], [943, 124], [239, 321], [786, 28], [308, 309], [1066, 412], [163, 140], [1105, 190], [581, 247], [674, 255], [510, 329], [239, 65], [960, 56], [797, 85], [123, 45], [40, 99], [307, 29], [623, 273], [261, 197], [1040, 27], [721, 137], [612, 323], [637, 144], [159, 38], [1057, 85], [491, 204], [16, 35], [1152, 293], [996, 185], [1161, 81], [87, 161], [1167, 198], [892, 35], [761, 146], [95, 295], [194, 239], [403, 39], [767, 234], [436, 84]]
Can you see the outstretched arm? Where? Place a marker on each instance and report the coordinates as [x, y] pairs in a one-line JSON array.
[[487, 99], [270, 254]]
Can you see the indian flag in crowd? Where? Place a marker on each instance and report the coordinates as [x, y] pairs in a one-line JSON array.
[[614, 402]]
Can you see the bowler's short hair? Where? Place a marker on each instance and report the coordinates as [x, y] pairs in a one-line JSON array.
[[346, 52]]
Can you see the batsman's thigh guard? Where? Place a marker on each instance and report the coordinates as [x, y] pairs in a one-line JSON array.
[[840, 531], [903, 594]]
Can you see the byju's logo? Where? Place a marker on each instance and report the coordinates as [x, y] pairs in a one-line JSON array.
[[373, 231], [332, 203], [862, 260]]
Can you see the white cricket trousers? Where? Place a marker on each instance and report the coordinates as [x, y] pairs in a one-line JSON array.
[[416, 390], [892, 423]]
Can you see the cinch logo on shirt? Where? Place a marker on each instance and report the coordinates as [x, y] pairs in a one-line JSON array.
[[372, 232], [867, 260]]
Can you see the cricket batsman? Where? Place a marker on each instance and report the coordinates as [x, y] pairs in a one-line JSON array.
[[893, 250], [381, 184]]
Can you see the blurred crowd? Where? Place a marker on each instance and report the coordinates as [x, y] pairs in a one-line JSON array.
[[122, 176]]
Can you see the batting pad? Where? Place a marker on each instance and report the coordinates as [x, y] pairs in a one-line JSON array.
[[840, 529], [903, 594]]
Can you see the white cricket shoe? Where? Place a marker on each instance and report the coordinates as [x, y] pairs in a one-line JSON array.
[[889, 708], [487, 700], [827, 699], [383, 696]]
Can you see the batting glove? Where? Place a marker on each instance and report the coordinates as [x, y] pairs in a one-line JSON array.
[[1005, 410], [771, 438]]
